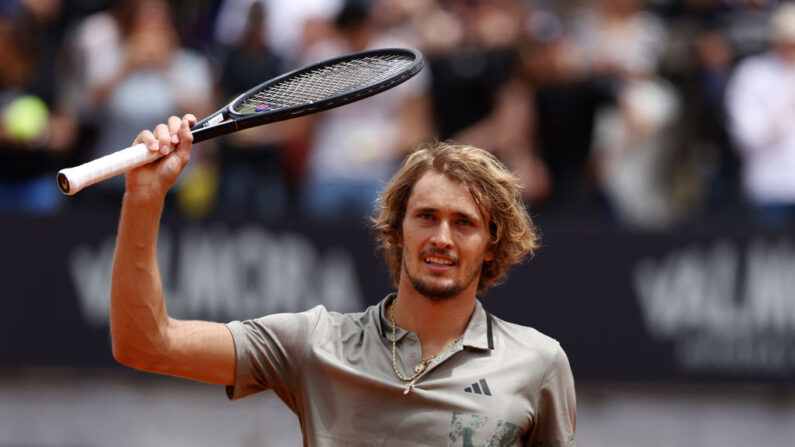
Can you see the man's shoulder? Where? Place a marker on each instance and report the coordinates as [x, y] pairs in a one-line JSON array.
[[349, 320], [762, 64], [517, 337]]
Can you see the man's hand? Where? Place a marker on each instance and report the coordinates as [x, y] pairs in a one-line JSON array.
[[174, 141]]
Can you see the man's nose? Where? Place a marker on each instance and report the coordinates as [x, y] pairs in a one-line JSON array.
[[441, 237]]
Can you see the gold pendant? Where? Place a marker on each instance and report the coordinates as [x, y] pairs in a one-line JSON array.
[[409, 386]]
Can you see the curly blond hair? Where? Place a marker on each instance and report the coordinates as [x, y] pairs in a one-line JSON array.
[[512, 234]]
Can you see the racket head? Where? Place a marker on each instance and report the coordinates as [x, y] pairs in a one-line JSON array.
[[325, 85]]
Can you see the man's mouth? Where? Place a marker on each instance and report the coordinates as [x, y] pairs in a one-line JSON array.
[[436, 260]]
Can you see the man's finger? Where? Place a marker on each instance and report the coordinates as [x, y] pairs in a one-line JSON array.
[[147, 138], [163, 136], [174, 124], [185, 141]]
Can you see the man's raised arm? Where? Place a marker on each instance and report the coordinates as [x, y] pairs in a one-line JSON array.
[[144, 336]]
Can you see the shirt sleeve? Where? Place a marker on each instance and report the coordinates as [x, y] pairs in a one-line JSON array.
[[556, 417], [270, 351]]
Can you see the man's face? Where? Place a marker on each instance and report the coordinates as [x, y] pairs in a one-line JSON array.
[[444, 240]]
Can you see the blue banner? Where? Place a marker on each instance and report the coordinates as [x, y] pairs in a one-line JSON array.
[[715, 304]]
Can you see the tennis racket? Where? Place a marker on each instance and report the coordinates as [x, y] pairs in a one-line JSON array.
[[308, 90]]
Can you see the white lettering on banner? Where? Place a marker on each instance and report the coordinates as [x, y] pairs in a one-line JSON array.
[[723, 312], [770, 286], [223, 274], [691, 289]]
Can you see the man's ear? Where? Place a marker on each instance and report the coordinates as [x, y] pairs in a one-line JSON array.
[[399, 239], [488, 256]]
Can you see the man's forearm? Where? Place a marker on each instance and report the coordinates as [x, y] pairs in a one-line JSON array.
[[138, 316]]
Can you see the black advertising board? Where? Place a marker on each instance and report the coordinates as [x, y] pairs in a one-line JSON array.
[[702, 305]]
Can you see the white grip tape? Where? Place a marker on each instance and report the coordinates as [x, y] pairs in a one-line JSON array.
[[74, 179]]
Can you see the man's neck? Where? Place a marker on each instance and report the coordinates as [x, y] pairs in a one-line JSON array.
[[438, 322]]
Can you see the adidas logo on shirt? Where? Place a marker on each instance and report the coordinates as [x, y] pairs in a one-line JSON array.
[[479, 387]]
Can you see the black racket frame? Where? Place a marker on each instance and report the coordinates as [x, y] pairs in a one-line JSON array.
[[226, 120]]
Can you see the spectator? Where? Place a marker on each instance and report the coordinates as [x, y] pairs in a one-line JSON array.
[[632, 144], [510, 131], [543, 119], [760, 99], [134, 73], [566, 103], [36, 132], [469, 60], [698, 61], [354, 149], [251, 170]]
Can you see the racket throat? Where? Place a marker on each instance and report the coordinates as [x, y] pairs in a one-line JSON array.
[[215, 120], [213, 126]]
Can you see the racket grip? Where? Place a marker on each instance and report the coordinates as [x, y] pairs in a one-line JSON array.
[[72, 180]]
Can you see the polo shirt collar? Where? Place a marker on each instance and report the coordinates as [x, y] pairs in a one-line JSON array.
[[478, 333], [383, 322]]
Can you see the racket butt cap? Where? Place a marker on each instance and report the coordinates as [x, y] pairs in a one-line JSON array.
[[63, 183]]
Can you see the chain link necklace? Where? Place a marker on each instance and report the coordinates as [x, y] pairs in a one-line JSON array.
[[420, 366]]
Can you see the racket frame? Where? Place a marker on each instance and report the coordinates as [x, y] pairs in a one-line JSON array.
[[226, 120]]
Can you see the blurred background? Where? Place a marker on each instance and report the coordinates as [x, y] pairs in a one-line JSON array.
[[655, 140]]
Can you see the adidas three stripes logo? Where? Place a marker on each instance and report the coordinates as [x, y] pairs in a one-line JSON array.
[[479, 387]]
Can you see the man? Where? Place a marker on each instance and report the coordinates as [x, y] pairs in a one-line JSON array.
[[760, 103], [426, 366]]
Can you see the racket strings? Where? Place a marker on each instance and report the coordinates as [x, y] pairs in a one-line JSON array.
[[325, 82]]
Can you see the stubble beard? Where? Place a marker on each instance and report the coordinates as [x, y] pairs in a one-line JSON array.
[[438, 293]]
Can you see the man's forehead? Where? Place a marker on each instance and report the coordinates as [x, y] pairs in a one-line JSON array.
[[435, 191]]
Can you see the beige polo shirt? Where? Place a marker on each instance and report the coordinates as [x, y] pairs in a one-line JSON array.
[[501, 385]]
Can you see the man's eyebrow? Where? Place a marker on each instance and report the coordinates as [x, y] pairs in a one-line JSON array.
[[461, 214], [467, 216], [425, 209]]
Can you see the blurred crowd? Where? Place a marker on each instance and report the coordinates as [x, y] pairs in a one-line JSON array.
[[646, 114]]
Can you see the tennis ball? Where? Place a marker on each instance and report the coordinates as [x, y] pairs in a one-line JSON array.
[[197, 190], [25, 119]]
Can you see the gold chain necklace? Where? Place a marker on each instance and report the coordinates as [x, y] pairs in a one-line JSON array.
[[420, 366]]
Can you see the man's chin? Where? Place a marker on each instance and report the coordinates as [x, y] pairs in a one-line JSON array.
[[437, 291]]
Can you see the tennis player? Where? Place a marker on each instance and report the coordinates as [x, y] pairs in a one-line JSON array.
[[428, 365]]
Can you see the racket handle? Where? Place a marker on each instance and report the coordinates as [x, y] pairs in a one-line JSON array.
[[72, 180]]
